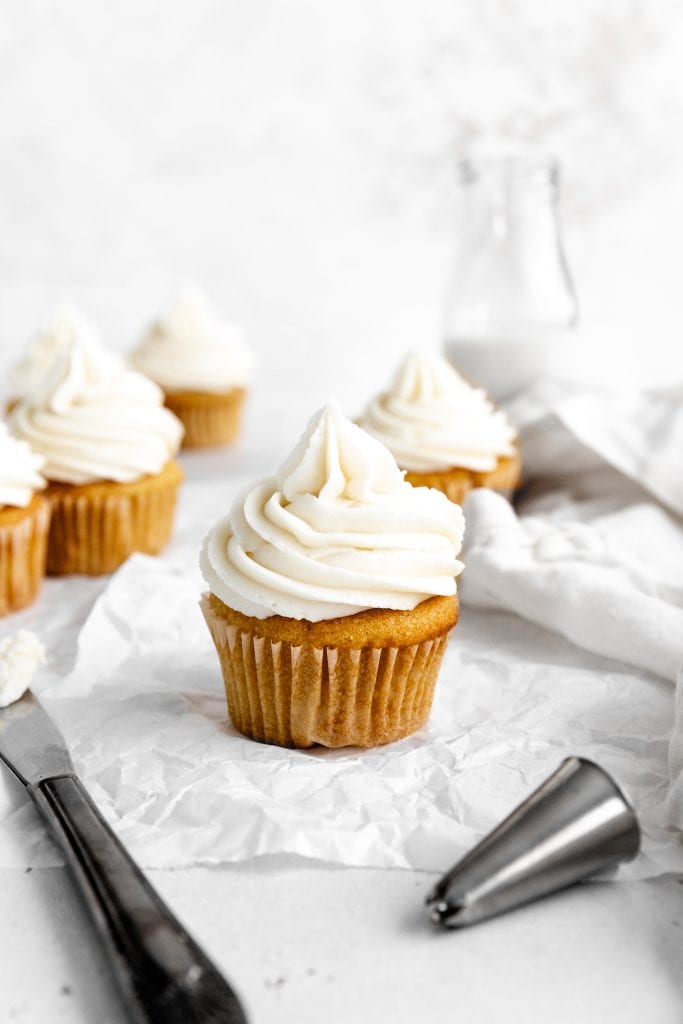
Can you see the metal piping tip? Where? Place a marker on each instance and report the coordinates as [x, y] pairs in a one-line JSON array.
[[576, 824], [438, 911], [433, 895], [448, 915]]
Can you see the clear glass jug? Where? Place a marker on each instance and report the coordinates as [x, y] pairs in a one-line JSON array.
[[512, 305]]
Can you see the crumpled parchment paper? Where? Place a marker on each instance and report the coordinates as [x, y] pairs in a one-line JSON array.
[[138, 694]]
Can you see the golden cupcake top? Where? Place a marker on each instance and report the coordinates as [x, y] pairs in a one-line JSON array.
[[432, 419], [92, 418], [190, 349], [336, 531]]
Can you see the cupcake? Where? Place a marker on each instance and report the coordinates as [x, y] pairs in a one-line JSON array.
[[24, 523], [43, 351], [332, 591], [203, 366], [108, 446], [445, 432]]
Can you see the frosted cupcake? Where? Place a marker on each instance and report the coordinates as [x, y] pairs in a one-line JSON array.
[[24, 523], [332, 590], [43, 351], [203, 366], [445, 432], [108, 446]]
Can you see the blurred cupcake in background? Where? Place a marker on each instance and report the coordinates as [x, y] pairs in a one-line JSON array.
[[204, 367], [108, 446], [445, 432], [24, 523], [44, 348]]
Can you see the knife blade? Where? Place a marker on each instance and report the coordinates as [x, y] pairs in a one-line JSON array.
[[163, 975]]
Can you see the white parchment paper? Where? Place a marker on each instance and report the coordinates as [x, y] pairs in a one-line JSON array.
[[138, 694]]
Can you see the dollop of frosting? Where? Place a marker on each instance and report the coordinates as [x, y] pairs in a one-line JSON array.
[[20, 468], [43, 351], [432, 419], [336, 531], [190, 349], [20, 656], [93, 419]]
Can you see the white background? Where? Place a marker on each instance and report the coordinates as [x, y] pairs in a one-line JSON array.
[[297, 159]]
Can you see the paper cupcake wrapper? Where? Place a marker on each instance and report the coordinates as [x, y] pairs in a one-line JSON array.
[[209, 420], [94, 531], [23, 552], [300, 696]]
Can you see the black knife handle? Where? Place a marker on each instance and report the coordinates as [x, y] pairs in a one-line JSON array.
[[164, 976]]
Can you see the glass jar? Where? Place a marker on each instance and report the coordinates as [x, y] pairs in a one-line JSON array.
[[512, 305]]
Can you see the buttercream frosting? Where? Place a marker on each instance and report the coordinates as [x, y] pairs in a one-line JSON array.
[[432, 419], [20, 468], [20, 656], [190, 349], [336, 531], [93, 418], [42, 352]]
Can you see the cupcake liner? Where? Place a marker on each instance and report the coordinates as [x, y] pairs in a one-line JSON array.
[[23, 552], [209, 419], [300, 695], [95, 527]]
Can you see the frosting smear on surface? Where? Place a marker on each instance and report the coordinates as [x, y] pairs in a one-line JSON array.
[[93, 419], [432, 419], [20, 656], [336, 531]]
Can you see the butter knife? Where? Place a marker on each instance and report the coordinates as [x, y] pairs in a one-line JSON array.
[[163, 975]]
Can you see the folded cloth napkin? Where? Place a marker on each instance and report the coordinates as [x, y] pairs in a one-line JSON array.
[[566, 431], [596, 551], [572, 578]]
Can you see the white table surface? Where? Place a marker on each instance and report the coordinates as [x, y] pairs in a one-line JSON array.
[[304, 942], [308, 943]]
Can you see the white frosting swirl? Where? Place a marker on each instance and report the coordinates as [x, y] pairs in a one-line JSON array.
[[19, 471], [42, 353], [94, 419], [189, 349], [20, 656], [432, 419], [336, 531]]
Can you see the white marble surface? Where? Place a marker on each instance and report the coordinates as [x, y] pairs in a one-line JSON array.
[[308, 943]]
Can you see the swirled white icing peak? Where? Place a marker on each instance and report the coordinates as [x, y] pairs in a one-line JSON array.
[[42, 352], [93, 419], [20, 470], [190, 349], [336, 531], [432, 419]]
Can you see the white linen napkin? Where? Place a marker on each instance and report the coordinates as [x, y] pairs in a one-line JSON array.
[[571, 578], [596, 552]]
